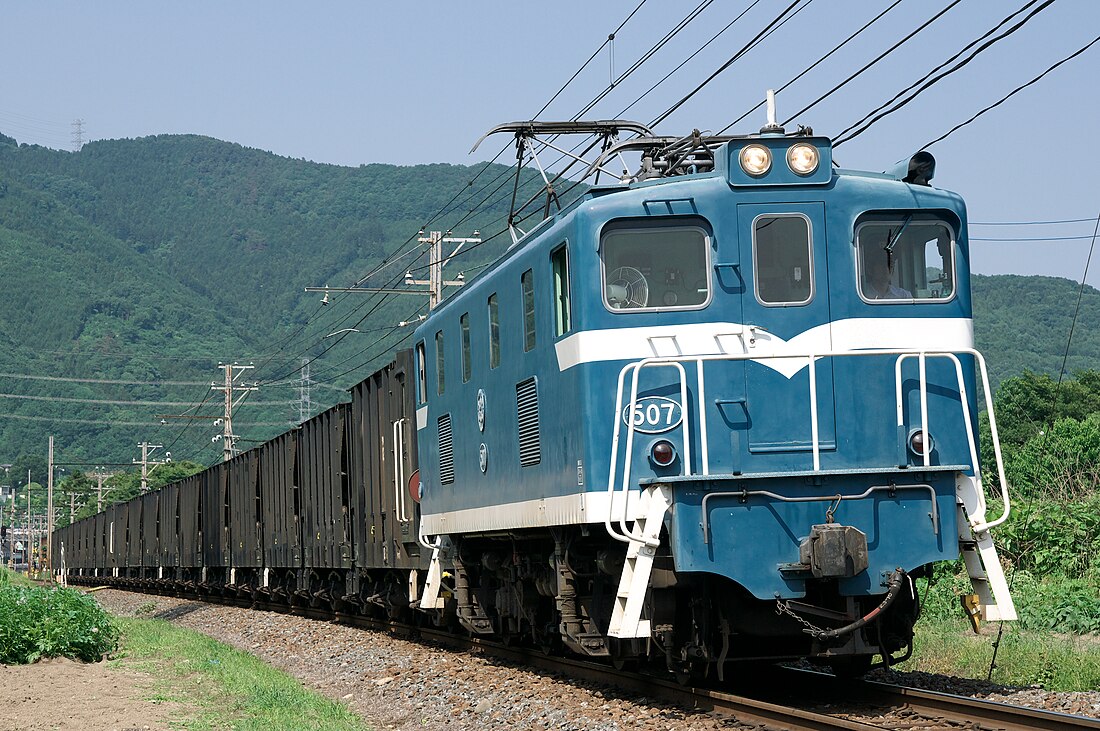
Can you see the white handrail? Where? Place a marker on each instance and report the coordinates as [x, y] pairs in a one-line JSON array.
[[978, 524]]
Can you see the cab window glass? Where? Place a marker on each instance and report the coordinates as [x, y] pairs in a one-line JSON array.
[[440, 381], [783, 259], [527, 280], [421, 378], [905, 260], [559, 264], [655, 267], [464, 324], [494, 331]]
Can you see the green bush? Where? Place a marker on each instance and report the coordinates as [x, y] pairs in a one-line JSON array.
[[36, 622]]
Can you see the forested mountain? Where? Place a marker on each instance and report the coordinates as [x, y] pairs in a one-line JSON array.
[[148, 261], [151, 260]]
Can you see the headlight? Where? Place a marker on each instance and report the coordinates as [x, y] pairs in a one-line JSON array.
[[756, 160], [802, 158], [917, 443]]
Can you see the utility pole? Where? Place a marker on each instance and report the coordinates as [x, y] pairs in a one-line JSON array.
[[434, 283], [232, 373], [304, 402], [147, 450], [100, 492], [49, 511]]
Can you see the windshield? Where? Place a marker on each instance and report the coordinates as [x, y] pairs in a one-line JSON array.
[[906, 259]]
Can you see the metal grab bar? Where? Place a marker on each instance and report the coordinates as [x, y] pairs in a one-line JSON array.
[[400, 502], [742, 495], [628, 536], [978, 524]]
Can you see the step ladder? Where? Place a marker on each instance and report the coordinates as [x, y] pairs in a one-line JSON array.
[[980, 555], [626, 617], [431, 598]]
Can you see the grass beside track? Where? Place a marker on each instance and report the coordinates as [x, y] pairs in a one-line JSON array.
[[230, 689], [1026, 657]]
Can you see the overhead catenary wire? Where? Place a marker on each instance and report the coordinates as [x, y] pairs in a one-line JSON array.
[[815, 64], [859, 72], [732, 59], [1011, 94], [929, 80]]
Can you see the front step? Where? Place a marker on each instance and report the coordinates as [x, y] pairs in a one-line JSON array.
[[980, 556], [626, 617]]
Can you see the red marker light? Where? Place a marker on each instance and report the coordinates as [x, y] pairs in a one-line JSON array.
[[662, 453]]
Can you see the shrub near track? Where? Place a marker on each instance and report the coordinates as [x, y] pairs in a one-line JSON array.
[[37, 622]]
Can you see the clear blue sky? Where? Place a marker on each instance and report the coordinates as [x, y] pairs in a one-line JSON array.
[[414, 82]]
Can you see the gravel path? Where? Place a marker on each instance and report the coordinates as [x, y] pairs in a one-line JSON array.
[[398, 684]]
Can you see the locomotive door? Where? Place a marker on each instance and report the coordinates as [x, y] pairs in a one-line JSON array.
[[785, 304]]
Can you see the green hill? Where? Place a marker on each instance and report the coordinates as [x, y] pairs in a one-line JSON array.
[[1024, 322], [151, 260], [148, 261]]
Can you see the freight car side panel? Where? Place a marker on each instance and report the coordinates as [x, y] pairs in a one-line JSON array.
[[245, 510], [132, 546], [150, 529], [383, 462], [168, 514], [215, 513], [190, 522], [324, 480], [280, 502]]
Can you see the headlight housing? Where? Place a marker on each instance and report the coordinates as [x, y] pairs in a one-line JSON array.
[[756, 160], [803, 158]]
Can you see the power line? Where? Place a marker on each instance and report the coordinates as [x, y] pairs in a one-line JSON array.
[[28, 377], [872, 62], [1031, 238], [664, 115], [1032, 223], [111, 402], [815, 64], [1012, 93], [855, 130]]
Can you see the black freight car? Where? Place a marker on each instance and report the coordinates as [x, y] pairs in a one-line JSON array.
[[326, 513]]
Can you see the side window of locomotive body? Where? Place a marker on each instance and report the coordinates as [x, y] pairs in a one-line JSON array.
[[467, 366], [421, 375], [655, 268], [782, 259], [905, 260], [494, 331], [441, 382], [559, 265], [527, 282]]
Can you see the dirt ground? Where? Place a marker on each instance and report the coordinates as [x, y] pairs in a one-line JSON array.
[[67, 695]]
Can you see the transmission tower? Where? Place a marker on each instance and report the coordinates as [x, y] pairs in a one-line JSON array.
[[78, 134], [305, 405]]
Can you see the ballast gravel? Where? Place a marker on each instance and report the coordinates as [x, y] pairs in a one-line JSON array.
[[399, 684]]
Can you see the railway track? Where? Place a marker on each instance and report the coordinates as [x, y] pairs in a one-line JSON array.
[[774, 697]]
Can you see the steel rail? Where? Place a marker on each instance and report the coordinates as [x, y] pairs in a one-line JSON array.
[[776, 697]]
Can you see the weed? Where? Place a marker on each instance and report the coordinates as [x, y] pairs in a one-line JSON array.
[[37, 622]]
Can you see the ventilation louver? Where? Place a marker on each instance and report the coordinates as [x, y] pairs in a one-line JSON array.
[[446, 451], [527, 411]]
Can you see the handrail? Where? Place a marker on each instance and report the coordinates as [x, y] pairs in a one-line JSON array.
[[628, 536], [400, 503], [978, 523]]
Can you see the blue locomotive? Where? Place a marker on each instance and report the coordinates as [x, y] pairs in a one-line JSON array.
[[724, 408], [721, 408]]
